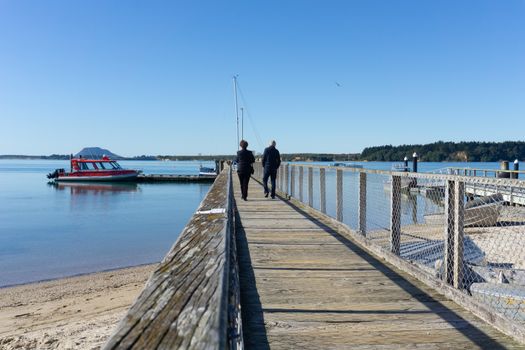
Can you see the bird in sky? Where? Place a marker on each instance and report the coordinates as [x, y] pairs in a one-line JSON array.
[[336, 83]]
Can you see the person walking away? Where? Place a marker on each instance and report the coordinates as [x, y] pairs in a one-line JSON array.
[[244, 159], [271, 161]]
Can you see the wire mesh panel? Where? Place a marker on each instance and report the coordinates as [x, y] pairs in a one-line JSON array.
[[494, 226], [422, 239], [330, 193], [378, 191], [316, 188], [351, 199]]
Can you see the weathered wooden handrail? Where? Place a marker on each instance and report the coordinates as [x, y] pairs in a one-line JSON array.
[[517, 183], [185, 303]]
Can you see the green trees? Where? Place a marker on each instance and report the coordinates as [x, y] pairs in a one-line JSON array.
[[449, 151]]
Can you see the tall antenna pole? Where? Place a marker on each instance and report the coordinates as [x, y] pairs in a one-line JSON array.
[[242, 123], [236, 107]]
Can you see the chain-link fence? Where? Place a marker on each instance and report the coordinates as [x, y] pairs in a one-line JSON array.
[[467, 230]]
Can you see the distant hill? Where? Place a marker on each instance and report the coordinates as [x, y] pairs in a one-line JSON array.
[[97, 152]]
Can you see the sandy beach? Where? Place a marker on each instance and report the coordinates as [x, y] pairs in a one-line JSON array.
[[71, 313]]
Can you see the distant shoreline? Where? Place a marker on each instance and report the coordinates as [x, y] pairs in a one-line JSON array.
[[433, 152]]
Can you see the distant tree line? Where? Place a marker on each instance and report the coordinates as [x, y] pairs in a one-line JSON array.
[[449, 152], [432, 152], [319, 157]]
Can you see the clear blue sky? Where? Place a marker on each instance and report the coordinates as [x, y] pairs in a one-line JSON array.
[[155, 77]]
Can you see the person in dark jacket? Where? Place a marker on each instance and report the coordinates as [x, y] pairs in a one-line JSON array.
[[244, 159], [271, 161]]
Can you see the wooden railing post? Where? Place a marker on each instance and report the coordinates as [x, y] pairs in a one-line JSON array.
[[395, 215], [292, 182], [322, 190], [459, 212], [286, 179], [454, 233], [310, 186], [301, 178], [281, 178], [449, 232], [339, 194], [362, 204]]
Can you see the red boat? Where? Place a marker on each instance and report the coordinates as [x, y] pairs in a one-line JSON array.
[[103, 169]]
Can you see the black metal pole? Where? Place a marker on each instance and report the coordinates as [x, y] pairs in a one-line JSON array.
[[406, 164], [414, 162], [516, 168]]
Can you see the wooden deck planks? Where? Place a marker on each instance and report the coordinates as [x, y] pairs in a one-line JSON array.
[[303, 286]]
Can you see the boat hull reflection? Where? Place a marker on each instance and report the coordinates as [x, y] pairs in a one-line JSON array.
[[95, 188]]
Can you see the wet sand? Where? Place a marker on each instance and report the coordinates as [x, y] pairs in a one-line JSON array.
[[71, 313]]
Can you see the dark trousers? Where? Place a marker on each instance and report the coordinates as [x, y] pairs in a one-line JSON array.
[[272, 174], [244, 179]]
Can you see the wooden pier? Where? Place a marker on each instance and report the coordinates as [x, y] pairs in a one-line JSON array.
[[306, 284], [278, 274], [148, 178]]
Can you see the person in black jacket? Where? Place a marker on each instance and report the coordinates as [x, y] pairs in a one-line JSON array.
[[271, 161], [244, 159]]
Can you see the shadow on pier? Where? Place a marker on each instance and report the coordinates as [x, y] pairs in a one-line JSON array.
[[305, 285]]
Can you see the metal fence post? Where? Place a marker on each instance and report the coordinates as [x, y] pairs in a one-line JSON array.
[[459, 212], [339, 194], [449, 232], [362, 204], [311, 186], [301, 177], [322, 190], [395, 215]]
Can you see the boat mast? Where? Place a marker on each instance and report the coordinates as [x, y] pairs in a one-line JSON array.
[[236, 107], [242, 123]]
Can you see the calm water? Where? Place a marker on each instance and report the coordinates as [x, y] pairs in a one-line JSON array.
[[55, 231]]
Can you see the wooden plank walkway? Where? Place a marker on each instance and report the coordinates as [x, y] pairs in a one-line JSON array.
[[306, 286]]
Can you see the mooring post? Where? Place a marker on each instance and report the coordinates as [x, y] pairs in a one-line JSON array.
[[395, 215], [459, 212], [322, 190], [362, 204], [301, 180], [448, 262], [516, 168], [413, 181], [310, 186], [405, 161], [339, 194], [503, 165]]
